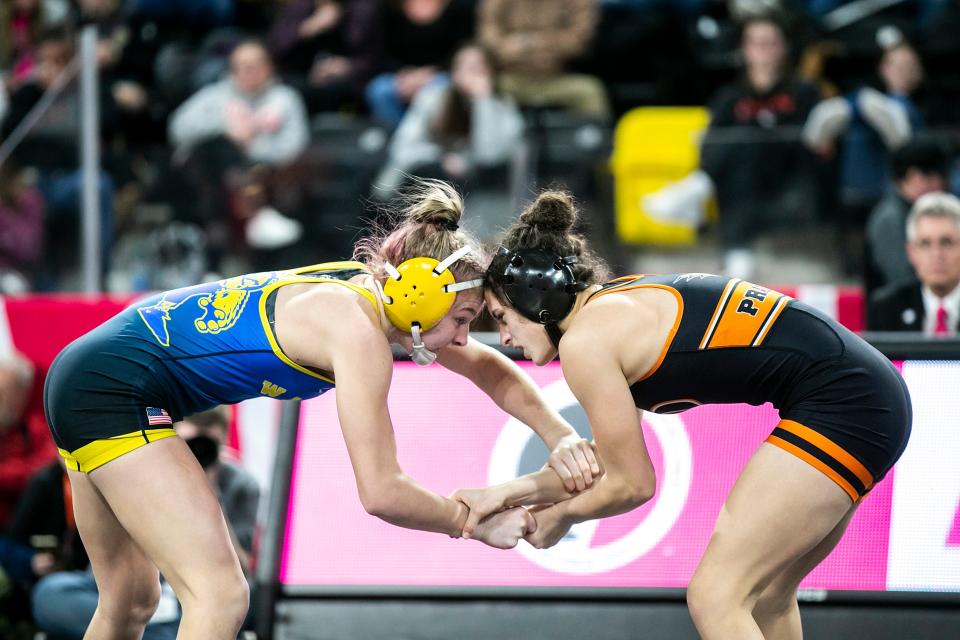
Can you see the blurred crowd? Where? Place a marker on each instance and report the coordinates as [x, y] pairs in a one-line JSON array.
[[238, 135], [251, 134]]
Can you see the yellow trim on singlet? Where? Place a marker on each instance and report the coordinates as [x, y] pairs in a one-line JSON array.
[[294, 276], [676, 321], [100, 452]]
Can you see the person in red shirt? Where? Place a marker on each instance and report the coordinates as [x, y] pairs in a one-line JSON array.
[[24, 436]]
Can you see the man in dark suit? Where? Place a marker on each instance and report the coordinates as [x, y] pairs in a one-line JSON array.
[[930, 304]]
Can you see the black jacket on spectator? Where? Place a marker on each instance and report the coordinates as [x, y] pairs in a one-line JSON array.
[[54, 143], [752, 151], [42, 511], [407, 44], [897, 307], [356, 37]]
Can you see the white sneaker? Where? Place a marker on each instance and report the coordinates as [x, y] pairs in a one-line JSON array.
[[270, 229], [682, 202], [739, 263], [888, 117], [826, 122]]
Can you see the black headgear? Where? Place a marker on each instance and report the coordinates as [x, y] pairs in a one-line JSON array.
[[538, 284]]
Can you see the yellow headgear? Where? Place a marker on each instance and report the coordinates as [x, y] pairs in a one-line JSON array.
[[421, 291]]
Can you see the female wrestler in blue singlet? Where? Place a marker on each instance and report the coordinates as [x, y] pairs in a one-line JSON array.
[[142, 502], [669, 343]]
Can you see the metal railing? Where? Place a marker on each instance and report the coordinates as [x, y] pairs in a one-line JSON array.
[[84, 65]]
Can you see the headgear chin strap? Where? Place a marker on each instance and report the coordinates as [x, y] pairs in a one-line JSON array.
[[418, 293], [420, 354], [538, 284]]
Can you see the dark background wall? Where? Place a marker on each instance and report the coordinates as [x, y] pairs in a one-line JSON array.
[[409, 619]]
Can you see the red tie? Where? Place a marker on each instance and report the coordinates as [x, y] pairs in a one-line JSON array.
[[941, 329]]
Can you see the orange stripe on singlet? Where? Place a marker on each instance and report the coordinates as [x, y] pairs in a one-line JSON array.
[[829, 447], [616, 285], [673, 329], [737, 326], [743, 316], [789, 447], [724, 297]]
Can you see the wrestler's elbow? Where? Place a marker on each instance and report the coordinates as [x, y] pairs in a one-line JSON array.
[[633, 491], [381, 499]]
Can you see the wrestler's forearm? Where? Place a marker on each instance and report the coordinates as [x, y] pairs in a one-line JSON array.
[[542, 487], [405, 503]]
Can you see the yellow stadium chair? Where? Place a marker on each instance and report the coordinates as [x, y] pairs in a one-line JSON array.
[[653, 146]]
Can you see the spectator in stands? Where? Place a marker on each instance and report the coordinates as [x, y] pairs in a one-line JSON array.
[[870, 124], [65, 597], [751, 157], [22, 23], [419, 38], [127, 48], [45, 510], [262, 120], [231, 135], [51, 147], [22, 563], [20, 566], [534, 41], [24, 436], [931, 302], [327, 49], [21, 230], [918, 168], [459, 132]]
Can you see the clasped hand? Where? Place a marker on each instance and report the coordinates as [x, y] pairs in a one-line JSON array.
[[504, 529], [573, 459]]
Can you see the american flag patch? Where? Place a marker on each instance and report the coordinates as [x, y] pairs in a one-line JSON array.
[[158, 416]]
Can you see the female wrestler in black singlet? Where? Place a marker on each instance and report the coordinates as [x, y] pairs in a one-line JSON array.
[[671, 342]]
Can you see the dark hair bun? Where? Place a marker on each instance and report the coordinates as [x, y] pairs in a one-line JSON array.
[[551, 212]]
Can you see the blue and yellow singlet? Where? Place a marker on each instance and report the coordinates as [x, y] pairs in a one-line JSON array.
[[177, 353], [217, 339]]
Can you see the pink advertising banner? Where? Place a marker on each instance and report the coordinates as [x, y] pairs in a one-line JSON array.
[[450, 435]]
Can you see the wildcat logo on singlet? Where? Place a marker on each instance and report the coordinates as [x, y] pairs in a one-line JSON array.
[[219, 303]]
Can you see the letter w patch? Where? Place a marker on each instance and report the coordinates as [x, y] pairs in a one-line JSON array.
[[272, 390]]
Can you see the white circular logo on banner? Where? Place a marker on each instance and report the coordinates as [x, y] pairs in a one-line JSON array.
[[573, 554]]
